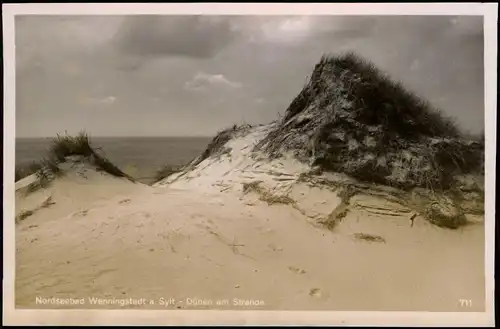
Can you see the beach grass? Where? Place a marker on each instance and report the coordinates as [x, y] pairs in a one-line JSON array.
[[165, 172], [61, 148]]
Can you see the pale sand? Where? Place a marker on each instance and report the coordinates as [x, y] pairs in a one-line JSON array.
[[202, 237]]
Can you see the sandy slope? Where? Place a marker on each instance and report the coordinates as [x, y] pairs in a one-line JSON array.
[[201, 237]]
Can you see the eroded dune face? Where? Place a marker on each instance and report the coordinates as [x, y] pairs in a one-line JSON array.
[[238, 231]]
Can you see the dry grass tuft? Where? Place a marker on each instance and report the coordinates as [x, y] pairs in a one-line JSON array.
[[336, 216], [23, 215], [216, 147], [369, 237], [27, 213], [445, 216], [64, 146], [265, 195], [252, 186], [272, 199], [165, 172]]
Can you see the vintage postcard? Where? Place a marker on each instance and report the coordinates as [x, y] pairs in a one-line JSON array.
[[291, 164]]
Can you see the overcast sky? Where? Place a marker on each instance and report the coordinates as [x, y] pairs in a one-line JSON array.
[[193, 75]]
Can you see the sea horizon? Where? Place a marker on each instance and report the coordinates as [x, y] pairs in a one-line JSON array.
[[141, 157]]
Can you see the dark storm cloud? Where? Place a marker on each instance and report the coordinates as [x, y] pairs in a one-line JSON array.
[[191, 36]]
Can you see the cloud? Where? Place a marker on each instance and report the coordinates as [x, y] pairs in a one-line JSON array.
[[104, 101], [288, 29], [202, 81], [190, 36]]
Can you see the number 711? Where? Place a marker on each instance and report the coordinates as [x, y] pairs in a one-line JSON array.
[[465, 302]]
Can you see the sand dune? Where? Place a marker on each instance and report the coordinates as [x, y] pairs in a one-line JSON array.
[[242, 229]]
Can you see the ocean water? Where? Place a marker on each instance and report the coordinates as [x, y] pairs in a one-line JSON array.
[[139, 157]]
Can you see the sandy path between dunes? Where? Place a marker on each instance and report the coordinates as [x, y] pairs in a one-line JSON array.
[[163, 243]]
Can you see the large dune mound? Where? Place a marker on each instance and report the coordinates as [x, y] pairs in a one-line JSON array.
[[352, 130], [77, 185], [73, 173], [352, 118]]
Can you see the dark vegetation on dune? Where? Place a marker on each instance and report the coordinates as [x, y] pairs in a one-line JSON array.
[[165, 172], [352, 118], [25, 170], [63, 147], [80, 145], [217, 144], [216, 147], [46, 168]]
